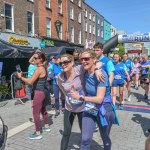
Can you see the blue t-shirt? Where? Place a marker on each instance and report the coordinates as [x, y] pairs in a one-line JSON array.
[[31, 70], [145, 71], [91, 84], [107, 64], [129, 64], [56, 69], [119, 73]]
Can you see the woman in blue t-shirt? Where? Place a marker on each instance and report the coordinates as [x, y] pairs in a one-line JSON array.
[[99, 107], [120, 74]]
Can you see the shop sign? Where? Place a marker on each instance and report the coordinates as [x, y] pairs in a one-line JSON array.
[[19, 41], [134, 51], [49, 42]]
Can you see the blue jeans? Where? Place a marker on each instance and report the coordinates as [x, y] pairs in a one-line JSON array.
[[57, 90], [88, 126]]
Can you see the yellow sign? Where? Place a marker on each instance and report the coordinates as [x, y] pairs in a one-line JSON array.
[[19, 41]]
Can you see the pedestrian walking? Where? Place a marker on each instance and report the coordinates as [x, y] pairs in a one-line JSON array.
[[119, 76]]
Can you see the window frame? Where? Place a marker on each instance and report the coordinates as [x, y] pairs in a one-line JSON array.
[[32, 23], [71, 13], [72, 34], [12, 16], [48, 19]]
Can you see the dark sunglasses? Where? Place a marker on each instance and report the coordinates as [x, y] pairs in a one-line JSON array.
[[85, 58], [36, 58], [66, 62]]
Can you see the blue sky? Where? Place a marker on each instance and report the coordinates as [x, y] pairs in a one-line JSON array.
[[129, 15]]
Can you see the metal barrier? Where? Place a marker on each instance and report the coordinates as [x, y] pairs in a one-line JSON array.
[[13, 91]]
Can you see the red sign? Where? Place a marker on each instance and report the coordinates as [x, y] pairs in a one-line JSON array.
[[134, 51]]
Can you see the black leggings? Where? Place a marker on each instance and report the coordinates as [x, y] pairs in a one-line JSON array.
[[68, 122]]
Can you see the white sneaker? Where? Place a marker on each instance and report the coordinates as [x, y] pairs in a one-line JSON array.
[[46, 129], [129, 98], [123, 102]]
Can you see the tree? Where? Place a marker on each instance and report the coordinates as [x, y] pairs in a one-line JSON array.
[[121, 49]]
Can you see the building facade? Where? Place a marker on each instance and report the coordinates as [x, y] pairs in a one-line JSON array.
[[99, 28], [107, 30], [75, 22], [19, 23], [89, 25]]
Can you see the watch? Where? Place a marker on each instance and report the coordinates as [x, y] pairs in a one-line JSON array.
[[96, 69], [81, 99]]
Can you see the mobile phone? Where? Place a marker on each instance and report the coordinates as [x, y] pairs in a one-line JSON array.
[[18, 68]]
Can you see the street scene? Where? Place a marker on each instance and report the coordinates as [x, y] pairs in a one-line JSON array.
[[74, 75]]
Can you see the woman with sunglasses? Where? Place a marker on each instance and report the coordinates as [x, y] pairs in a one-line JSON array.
[[99, 107], [38, 80], [120, 74], [72, 78]]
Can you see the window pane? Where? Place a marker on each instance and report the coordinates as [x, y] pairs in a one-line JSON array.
[[8, 10], [9, 23]]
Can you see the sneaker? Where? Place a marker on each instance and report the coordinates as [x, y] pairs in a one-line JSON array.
[[46, 129], [129, 98], [52, 95], [35, 136], [57, 114], [123, 102]]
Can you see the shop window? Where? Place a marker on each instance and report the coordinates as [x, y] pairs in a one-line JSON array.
[[48, 27], [30, 20], [9, 17]]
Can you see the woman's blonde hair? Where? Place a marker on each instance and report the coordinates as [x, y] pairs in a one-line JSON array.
[[70, 57], [91, 52]]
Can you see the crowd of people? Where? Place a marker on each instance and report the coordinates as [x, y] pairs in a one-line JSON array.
[[86, 84]]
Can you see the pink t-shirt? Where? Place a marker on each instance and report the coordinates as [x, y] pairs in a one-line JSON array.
[[65, 86], [136, 69]]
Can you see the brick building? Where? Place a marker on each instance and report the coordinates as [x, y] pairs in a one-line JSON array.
[[19, 22], [52, 22], [89, 26], [75, 21]]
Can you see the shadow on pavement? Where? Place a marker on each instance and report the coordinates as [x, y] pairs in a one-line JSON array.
[[140, 98], [75, 142], [143, 121]]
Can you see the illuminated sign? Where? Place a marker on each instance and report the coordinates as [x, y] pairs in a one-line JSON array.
[[48, 42], [129, 38], [19, 41]]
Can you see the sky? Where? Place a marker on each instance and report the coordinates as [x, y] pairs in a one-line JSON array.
[[129, 15]]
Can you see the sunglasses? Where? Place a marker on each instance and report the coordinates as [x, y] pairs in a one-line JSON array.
[[66, 62], [85, 58], [36, 58]]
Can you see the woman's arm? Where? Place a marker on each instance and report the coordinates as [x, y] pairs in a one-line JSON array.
[[35, 75], [94, 99]]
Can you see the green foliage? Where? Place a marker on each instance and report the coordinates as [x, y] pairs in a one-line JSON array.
[[121, 49]]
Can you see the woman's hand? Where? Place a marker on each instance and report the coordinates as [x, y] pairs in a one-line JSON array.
[[99, 75], [19, 74], [128, 78], [74, 94]]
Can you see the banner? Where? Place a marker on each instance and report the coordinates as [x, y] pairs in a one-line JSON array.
[[130, 38]]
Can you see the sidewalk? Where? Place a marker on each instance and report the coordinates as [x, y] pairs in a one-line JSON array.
[[130, 135]]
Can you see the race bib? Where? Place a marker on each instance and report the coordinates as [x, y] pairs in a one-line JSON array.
[[75, 101], [91, 108], [117, 77]]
